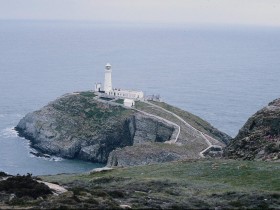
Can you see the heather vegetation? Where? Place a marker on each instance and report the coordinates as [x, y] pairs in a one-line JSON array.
[[184, 184], [24, 186], [207, 184], [168, 176]]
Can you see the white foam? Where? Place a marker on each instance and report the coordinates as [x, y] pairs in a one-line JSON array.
[[56, 159], [8, 133], [19, 115], [51, 158]]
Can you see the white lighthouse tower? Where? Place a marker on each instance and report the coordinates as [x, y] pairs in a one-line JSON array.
[[108, 78]]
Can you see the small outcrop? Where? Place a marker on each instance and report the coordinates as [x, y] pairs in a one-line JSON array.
[[80, 126], [259, 138], [148, 153], [13, 188]]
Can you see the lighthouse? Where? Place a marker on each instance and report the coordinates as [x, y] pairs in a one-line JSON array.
[[108, 78], [110, 92]]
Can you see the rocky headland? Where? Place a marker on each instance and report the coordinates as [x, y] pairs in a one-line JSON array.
[[110, 133], [259, 138], [84, 126]]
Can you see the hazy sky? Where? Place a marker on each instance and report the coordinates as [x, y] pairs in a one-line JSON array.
[[257, 12]]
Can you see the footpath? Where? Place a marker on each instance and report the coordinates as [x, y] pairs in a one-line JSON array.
[[184, 133]]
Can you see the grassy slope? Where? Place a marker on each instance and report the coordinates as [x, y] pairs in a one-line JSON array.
[[87, 114], [192, 119], [192, 184]]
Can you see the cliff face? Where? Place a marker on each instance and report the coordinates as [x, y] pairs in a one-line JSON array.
[[259, 138], [150, 153], [79, 126]]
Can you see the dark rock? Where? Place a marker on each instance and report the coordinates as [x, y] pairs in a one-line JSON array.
[[40, 154], [214, 151], [144, 154], [3, 174], [259, 138]]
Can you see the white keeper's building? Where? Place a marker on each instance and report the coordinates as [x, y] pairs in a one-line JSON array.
[[128, 102], [116, 92]]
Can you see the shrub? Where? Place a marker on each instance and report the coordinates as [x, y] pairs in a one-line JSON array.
[[24, 186], [3, 174]]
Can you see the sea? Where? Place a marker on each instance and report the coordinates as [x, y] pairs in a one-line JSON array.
[[223, 74]]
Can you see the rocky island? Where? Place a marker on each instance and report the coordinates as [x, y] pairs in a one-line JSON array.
[[86, 126]]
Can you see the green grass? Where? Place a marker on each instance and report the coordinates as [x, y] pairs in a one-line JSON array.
[[87, 94], [106, 99], [192, 119], [85, 103], [119, 101], [224, 174], [188, 184], [102, 115], [84, 117]]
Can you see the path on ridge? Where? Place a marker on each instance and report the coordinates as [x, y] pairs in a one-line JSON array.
[[185, 135], [198, 135]]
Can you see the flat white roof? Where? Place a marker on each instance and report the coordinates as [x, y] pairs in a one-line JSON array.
[[130, 91], [128, 100]]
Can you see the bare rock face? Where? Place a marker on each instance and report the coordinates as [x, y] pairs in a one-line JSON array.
[[150, 153], [259, 138], [144, 154], [146, 130], [79, 126]]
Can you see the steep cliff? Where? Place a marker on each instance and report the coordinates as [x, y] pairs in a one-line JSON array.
[[79, 126], [259, 138]]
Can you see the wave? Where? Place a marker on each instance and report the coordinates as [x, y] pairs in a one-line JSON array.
[[56, 159], [8, 133], [34, 154], [19, 115]]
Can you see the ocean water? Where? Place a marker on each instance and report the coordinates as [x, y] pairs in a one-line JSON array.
[[221, 74]]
